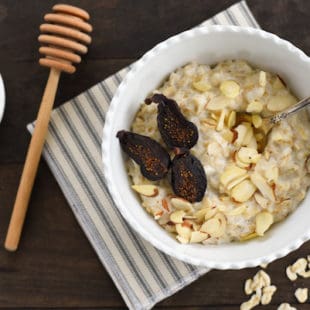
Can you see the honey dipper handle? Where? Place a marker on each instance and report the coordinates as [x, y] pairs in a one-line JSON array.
[[32, 162]]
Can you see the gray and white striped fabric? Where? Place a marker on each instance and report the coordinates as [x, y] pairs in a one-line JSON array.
[[143, 275]]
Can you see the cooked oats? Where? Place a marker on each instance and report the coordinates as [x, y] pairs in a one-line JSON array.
[[271, 180]]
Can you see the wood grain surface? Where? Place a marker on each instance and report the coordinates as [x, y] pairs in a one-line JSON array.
[[55, 266]]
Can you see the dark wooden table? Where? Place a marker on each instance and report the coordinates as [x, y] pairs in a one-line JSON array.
[[55, 266]]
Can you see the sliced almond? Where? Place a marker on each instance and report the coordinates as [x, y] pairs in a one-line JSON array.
[[248, 155], [188, 223], [237, 210], [252, 143], [228, 135], [231, 173], [220, 124], [254, 106], [263, 202], [181, 204], [158, 215], [200, 215], [249, 236], [249, 134], [177, 216], [165, 205], [212, 227], [262, 79], [209, 122], [219, 103], [198, 236], [230, 89], [210, 213], [146, 190], [243, 191], [231, 121], [280, 102], [196, 226], [240, 163], [222, 219], [182, 239], [257, 121], [224, 198], [237, 181], [202, 86], [263, 222], [183, 231], [272, 174], [263, 186], [242, 131], [164, 219]]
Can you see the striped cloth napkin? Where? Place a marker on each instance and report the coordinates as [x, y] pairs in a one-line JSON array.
[[142, 274]]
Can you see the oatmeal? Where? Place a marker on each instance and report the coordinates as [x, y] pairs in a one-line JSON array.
[[254, 179]]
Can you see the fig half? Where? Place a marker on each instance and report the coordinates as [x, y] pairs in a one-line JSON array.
[[174, 128], [153, 159], [188, 178]]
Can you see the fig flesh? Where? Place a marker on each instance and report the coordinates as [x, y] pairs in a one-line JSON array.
[[188, 178], [174, 128], [153, 159]]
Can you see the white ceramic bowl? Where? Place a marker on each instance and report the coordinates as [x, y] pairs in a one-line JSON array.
[[2, 98], [207, 45]]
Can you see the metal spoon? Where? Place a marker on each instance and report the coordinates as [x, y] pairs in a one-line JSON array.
[[270, 121], [284, 114]]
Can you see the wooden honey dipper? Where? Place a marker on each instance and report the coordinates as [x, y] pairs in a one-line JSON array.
[[65, 38]]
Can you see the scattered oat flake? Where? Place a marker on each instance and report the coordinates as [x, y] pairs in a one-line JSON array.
[[300, 265], [286, 306], [261, 285], [248, 287], [305, 274], [291, 274], [301, 295], [251, 303], [268, 292]]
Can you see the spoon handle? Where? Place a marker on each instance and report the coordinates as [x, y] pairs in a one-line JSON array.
[[284, 114]]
